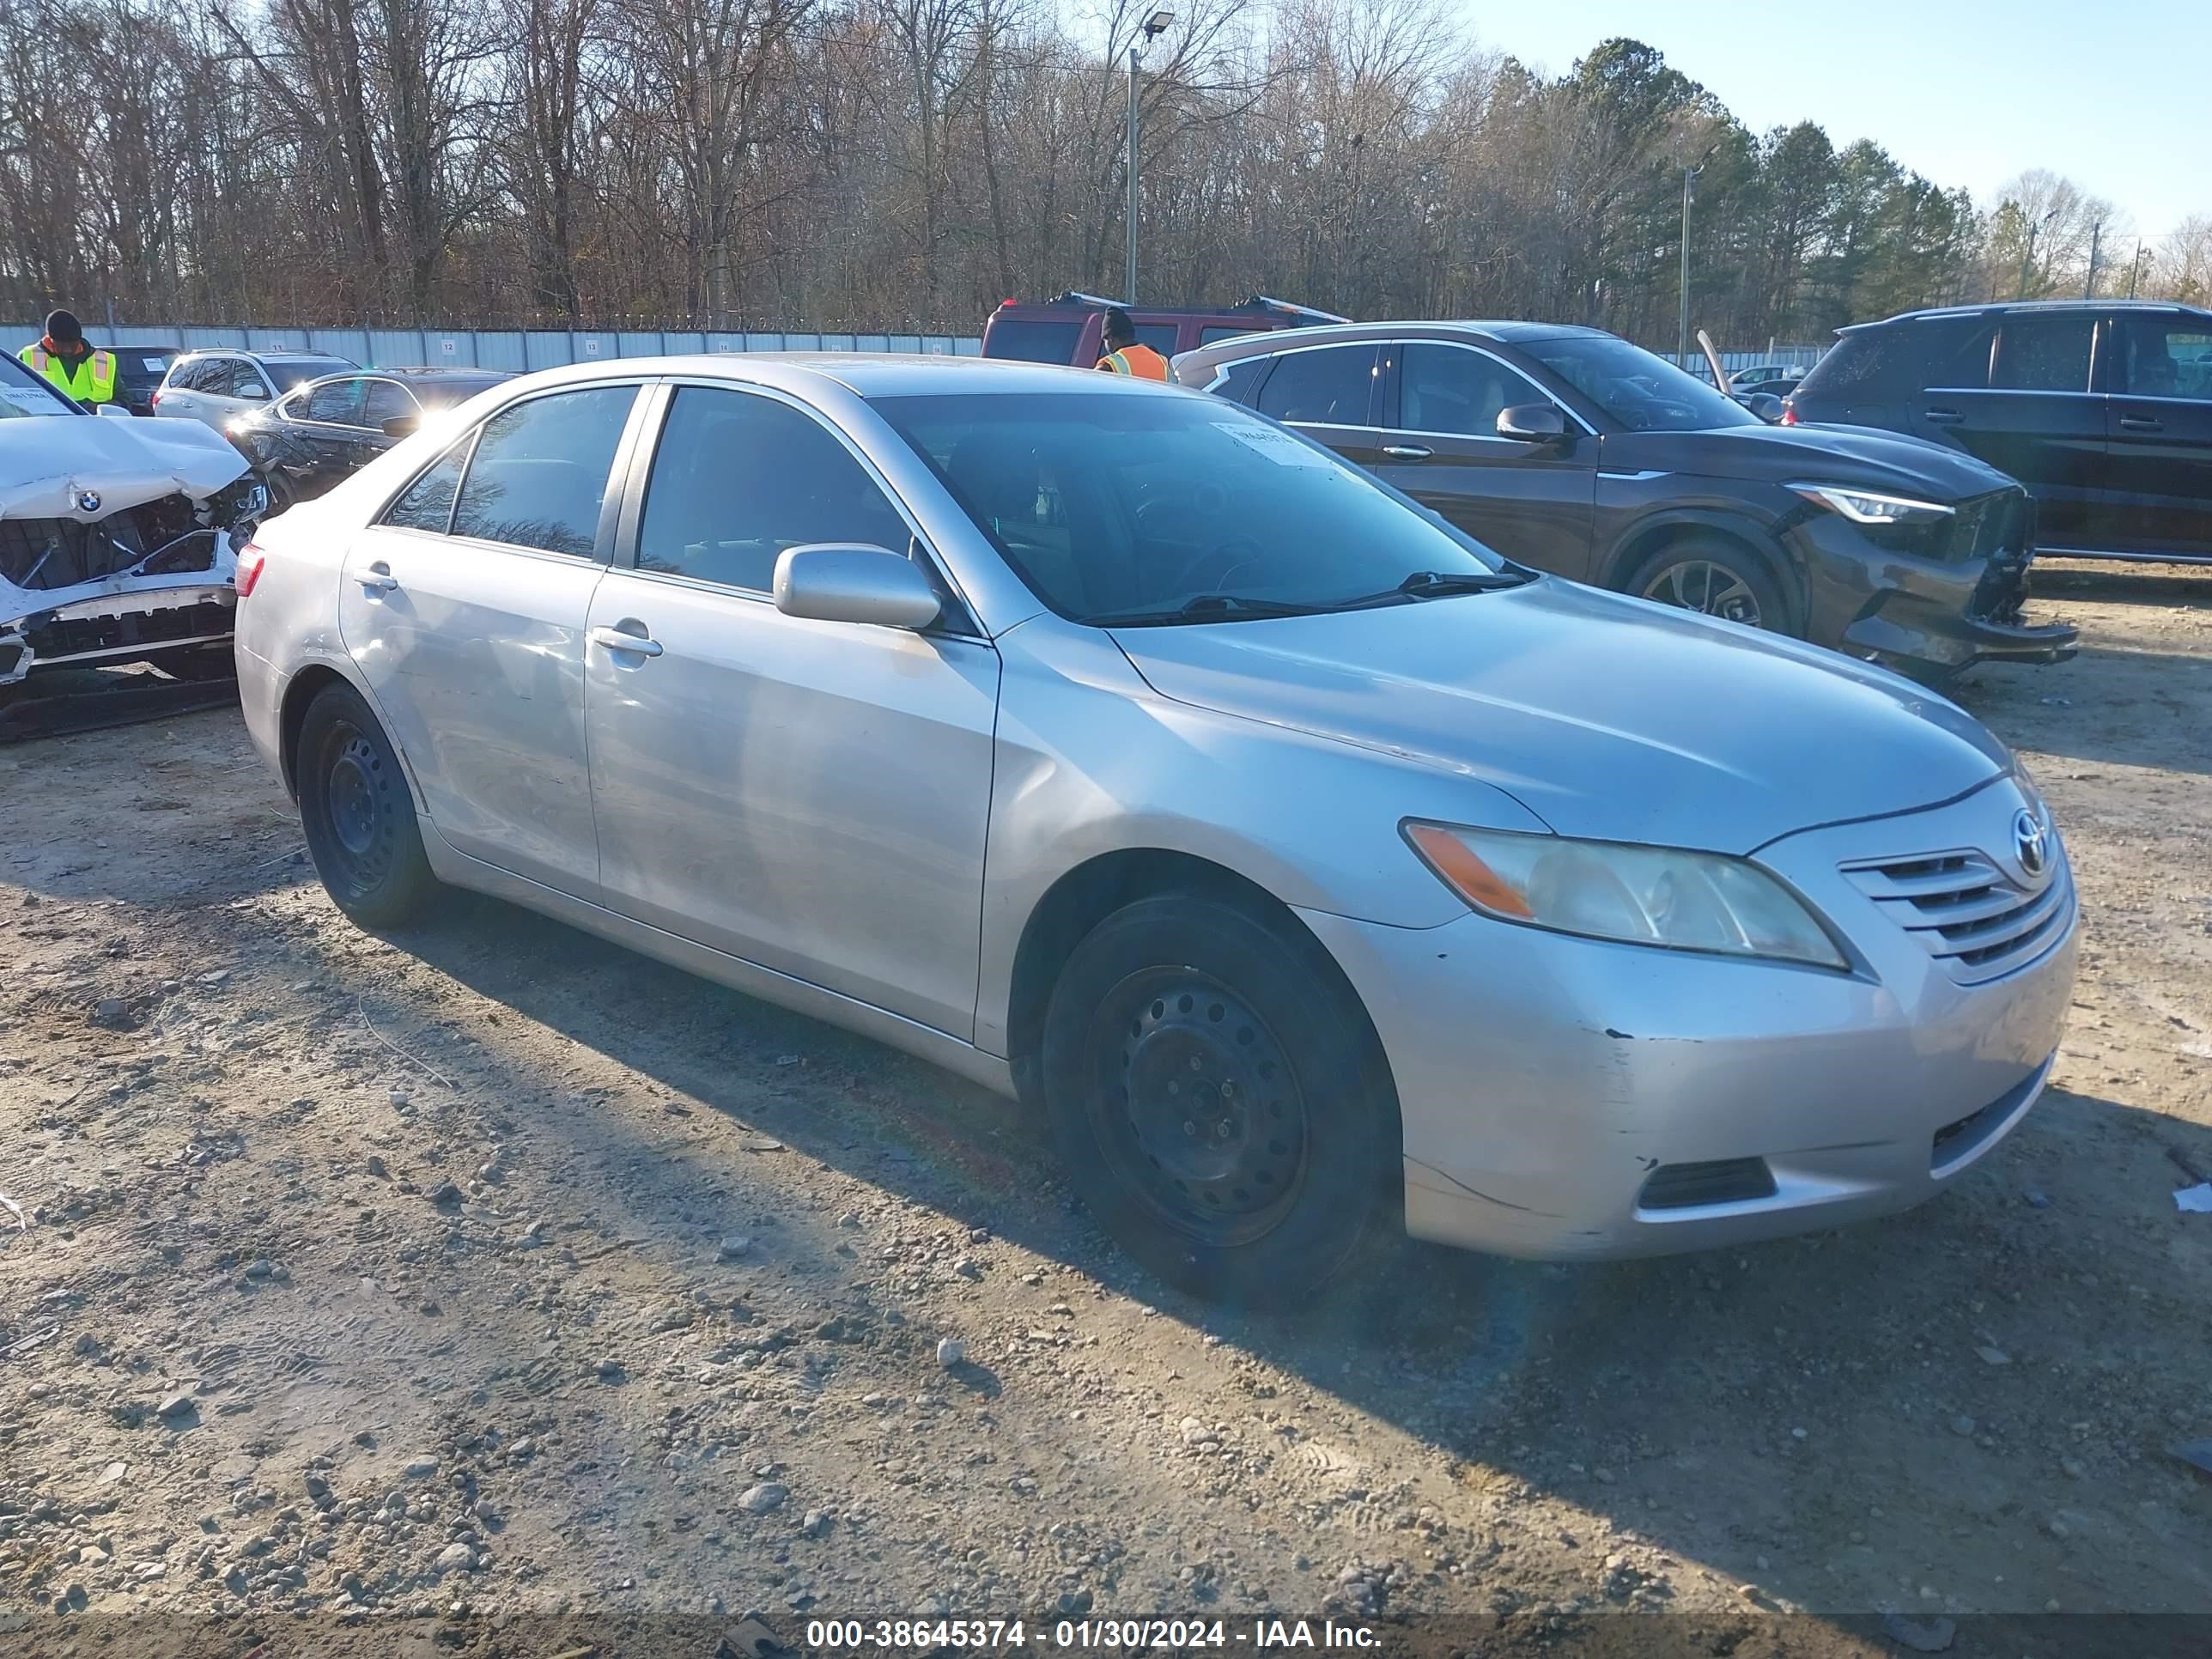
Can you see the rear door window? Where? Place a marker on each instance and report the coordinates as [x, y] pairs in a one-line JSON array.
[[1213, 331], [1161, 337], [2048, 353], [539, 474], [1326, 385], [427, 503]]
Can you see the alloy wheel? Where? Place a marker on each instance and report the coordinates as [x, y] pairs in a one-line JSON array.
[[1703, 586]]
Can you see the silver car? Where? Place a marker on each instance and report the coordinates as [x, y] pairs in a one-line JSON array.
[[219, 386], [1311, 866]]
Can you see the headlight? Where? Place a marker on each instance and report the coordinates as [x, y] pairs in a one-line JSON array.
[[1678, 901], [1865, 506]]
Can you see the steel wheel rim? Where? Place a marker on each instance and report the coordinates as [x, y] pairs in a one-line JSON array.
[[358, 809], [1197, 1107], [1711, 589]]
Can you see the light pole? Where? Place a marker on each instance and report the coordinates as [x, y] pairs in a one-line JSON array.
[[2096, 238], [1153, 27], [1682, 333], [2028, 261]]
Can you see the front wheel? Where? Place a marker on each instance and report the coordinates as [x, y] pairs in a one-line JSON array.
[[1717, 577], [1220, 1098], [358, 812]]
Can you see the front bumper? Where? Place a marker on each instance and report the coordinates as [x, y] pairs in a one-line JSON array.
[[1923, 615], [1566, 1098]]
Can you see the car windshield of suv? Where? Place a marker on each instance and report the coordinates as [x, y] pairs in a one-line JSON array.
[[1645, 393], [290, 371], [23, 394], [1138, 510]]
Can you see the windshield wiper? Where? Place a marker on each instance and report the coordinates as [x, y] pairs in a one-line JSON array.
[[1436, 583], [1206, 607]]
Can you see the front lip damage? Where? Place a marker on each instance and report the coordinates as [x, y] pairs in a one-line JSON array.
[[24, 611]]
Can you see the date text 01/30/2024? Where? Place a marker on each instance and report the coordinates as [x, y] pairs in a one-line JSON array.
[[927, 1635]]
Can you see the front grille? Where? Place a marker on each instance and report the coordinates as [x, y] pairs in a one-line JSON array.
[[1724, 1181], [1970, 915], [2005, 537], [42, 555]]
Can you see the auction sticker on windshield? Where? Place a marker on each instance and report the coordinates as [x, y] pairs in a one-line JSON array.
[[1279, 447]]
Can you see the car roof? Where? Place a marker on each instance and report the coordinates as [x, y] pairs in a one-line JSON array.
[[2006, 308], [430, 374], [1492, 330], [865, 374], [285, 357]]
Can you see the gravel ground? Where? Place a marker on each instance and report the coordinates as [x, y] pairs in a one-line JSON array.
[[490, 1290]]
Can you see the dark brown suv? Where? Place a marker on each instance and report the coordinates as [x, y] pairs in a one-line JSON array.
[[1067, 330]]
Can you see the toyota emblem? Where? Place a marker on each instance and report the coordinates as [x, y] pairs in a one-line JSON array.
[[2032, 842], [87, 500]]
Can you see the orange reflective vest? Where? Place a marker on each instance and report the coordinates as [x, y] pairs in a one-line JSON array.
[[92, 381], [1140, 361]]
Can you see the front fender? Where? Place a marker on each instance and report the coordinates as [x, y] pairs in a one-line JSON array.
[[1090, 761], [1635, 538]]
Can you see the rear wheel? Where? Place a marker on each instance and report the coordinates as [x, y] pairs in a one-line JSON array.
[[1717, 577], [358, 812], [1220, 1098]]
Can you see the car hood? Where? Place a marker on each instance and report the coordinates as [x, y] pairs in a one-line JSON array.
[[1608, 717], [1809, 454], [50, 467]]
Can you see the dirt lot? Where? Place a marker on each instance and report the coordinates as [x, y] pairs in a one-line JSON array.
[[490, 1290]]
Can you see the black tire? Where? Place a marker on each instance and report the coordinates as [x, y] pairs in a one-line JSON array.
[[1718, 577], [358, 812], [1266, 1195]]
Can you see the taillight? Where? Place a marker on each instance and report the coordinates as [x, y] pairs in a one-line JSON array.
[[155, 402], [250, 559], [1789, 415]]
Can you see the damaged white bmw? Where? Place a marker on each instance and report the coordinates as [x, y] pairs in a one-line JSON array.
[[117, 536]]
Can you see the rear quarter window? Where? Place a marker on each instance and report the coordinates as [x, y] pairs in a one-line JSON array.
[[1030, 341]]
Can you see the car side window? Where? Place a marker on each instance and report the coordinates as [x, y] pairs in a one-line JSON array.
[[388, 400], [336, 403], [2044, 353], [2167, 358], [1213, 331], [739, 477], [539, 473], [1445, 389], [1240, 379], [1329, 386], [427, 503], [1161, 337]]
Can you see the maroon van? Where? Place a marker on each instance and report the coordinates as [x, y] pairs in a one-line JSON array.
[[1067, 330]]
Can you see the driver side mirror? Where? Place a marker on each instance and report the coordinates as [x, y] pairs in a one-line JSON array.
[[402, 426], [1765, 405], [255, 390], [1532, 424], [853, 582]]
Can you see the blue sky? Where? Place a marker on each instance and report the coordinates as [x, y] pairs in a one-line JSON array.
[[2117, 96]]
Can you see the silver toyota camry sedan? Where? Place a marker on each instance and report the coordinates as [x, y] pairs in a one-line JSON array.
[[1313, 867]]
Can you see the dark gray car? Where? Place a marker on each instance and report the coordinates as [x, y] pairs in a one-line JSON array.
[[1571, 450]]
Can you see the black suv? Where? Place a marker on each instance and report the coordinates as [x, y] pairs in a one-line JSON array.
[[1571, 450], [2102, 408]]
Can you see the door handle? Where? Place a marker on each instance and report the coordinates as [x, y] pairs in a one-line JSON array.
[[1408, 452], [616, 639], [1944, 416], [2140, 423], [378, 579]]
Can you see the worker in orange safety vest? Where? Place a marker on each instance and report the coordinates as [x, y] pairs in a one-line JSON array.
[[1123, 355]]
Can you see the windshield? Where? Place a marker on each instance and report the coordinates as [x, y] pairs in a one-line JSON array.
[[23, 394], [1129, 509], [1645, 393], [290, 371]]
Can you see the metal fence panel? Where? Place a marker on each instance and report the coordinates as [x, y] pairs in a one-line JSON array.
[[596, 347], [350, 344]]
